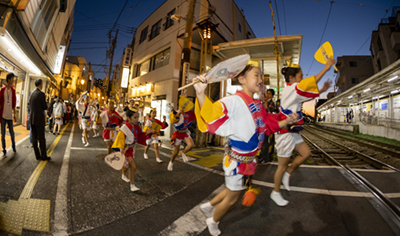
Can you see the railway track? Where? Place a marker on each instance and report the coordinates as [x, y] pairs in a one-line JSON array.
[[390, 149], [344, 154], [337, 156]]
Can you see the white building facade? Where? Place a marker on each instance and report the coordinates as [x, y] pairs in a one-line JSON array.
[[34, 39], [157, 50]]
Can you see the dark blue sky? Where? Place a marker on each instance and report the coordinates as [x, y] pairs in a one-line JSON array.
[[348, 29]]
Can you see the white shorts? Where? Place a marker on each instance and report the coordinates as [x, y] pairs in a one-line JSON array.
[[85, 124], [95, 126], [233, 180], [152, 140], [285, 143]]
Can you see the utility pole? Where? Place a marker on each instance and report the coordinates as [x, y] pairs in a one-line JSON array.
[[112, 49], [187, 45], [276, 53]]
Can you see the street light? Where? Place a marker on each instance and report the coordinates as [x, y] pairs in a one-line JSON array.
[[98, 95], [82, 81]]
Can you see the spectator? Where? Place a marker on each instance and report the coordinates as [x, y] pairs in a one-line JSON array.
[[58, 113], [7, 111], [37, 121]]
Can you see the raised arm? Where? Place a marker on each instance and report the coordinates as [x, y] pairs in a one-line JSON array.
[[329, 63]]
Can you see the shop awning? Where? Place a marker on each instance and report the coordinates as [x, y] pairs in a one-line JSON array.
[[262, 49]]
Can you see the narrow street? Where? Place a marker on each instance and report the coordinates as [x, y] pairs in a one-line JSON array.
[[87, 197]]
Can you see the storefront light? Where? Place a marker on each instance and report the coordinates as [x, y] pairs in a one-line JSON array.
[[17, 53]]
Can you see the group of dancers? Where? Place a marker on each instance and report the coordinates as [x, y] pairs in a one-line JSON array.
[[240, 118]]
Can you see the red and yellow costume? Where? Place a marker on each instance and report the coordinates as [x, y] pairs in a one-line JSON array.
[[157, 126], [110, 123], [128, 136], [182, 122]]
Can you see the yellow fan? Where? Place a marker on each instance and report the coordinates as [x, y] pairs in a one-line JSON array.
[[324, 53], [185, 104]]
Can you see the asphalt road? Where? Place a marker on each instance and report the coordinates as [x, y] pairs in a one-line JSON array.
[[90, 198]]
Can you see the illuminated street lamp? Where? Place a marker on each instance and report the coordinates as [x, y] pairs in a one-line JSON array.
[[82, 81], [98, 94], [206, 27]]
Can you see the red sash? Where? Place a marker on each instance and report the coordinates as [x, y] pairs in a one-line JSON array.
[[254, 106]]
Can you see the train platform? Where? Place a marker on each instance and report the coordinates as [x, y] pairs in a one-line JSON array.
[[87, 197]]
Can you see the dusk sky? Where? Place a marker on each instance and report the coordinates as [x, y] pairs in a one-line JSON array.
[[348, 28]]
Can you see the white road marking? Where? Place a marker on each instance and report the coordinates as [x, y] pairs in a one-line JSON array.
[[294, 188], [61, 206], [10, 148], [193, 222]]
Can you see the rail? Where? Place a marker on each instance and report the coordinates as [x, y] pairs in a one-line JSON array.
[[379, 195], [363, 141]]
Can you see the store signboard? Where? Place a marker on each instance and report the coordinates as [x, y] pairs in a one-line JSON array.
[[59, 59], [127, 57], [125, 77]]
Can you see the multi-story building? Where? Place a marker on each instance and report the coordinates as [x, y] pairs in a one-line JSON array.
[[352, 70], [385, 42], [78, 77], [157, 49], [34, 36]]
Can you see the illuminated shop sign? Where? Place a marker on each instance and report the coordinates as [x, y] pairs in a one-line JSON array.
[[59, 60]]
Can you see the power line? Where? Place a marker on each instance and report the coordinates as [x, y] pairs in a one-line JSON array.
[[120, 13], [323, 32], [279, 22], [133, 9], [284, 15]]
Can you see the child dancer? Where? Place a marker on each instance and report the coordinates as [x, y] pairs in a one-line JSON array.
[[152, 138], [182, 120], [297, 91], [95, 117], [110, 119], [128, 135], [83, 105], [245, 121]]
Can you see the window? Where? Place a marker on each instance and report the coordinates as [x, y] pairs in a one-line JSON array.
[[248, 35], [353, 64], [143, 34], [169, 21], [155, 30], [239, 27], [161, 59], [144, 68], [155, 62], [354, 80], [43, 21], [380, 44]]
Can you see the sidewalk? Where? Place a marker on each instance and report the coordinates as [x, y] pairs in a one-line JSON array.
[[20, 133]]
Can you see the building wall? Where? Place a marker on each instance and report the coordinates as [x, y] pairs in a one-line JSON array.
[[353, 70], [382, 49], [165, 79], [59, 23]]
